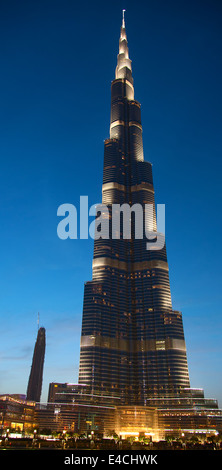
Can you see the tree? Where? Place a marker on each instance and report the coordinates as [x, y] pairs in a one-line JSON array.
[[112, 434]]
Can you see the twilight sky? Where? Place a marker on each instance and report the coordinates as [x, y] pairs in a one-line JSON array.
[[57, 62]]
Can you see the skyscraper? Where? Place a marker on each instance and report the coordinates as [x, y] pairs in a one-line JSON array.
[[35, 379], [133, 373], [132, 342]]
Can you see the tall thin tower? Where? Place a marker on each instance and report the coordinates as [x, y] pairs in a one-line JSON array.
[[132, 342], [34, 388]]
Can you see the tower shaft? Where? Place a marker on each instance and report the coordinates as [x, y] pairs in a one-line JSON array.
[[132, 343]]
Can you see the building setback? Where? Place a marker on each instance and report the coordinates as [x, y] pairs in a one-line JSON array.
[[36, 375]]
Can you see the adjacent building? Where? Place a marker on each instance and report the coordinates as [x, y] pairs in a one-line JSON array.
[[16, 414], [36, 375]]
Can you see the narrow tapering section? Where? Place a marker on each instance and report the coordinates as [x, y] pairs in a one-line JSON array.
[[124, 66], [132, 343], [123, 20]]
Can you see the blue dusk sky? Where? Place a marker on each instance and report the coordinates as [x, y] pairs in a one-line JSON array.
[[58, 59]]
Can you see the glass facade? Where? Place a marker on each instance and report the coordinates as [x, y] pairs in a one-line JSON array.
[[132, 343], [16, 413]]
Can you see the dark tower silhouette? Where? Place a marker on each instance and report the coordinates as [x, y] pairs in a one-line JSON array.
[[35, 379]]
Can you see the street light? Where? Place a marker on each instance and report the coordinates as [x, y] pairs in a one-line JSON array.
[[64, 439]]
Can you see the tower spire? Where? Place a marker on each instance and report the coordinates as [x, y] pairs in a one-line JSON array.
[[123, 22], [124, 67]]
